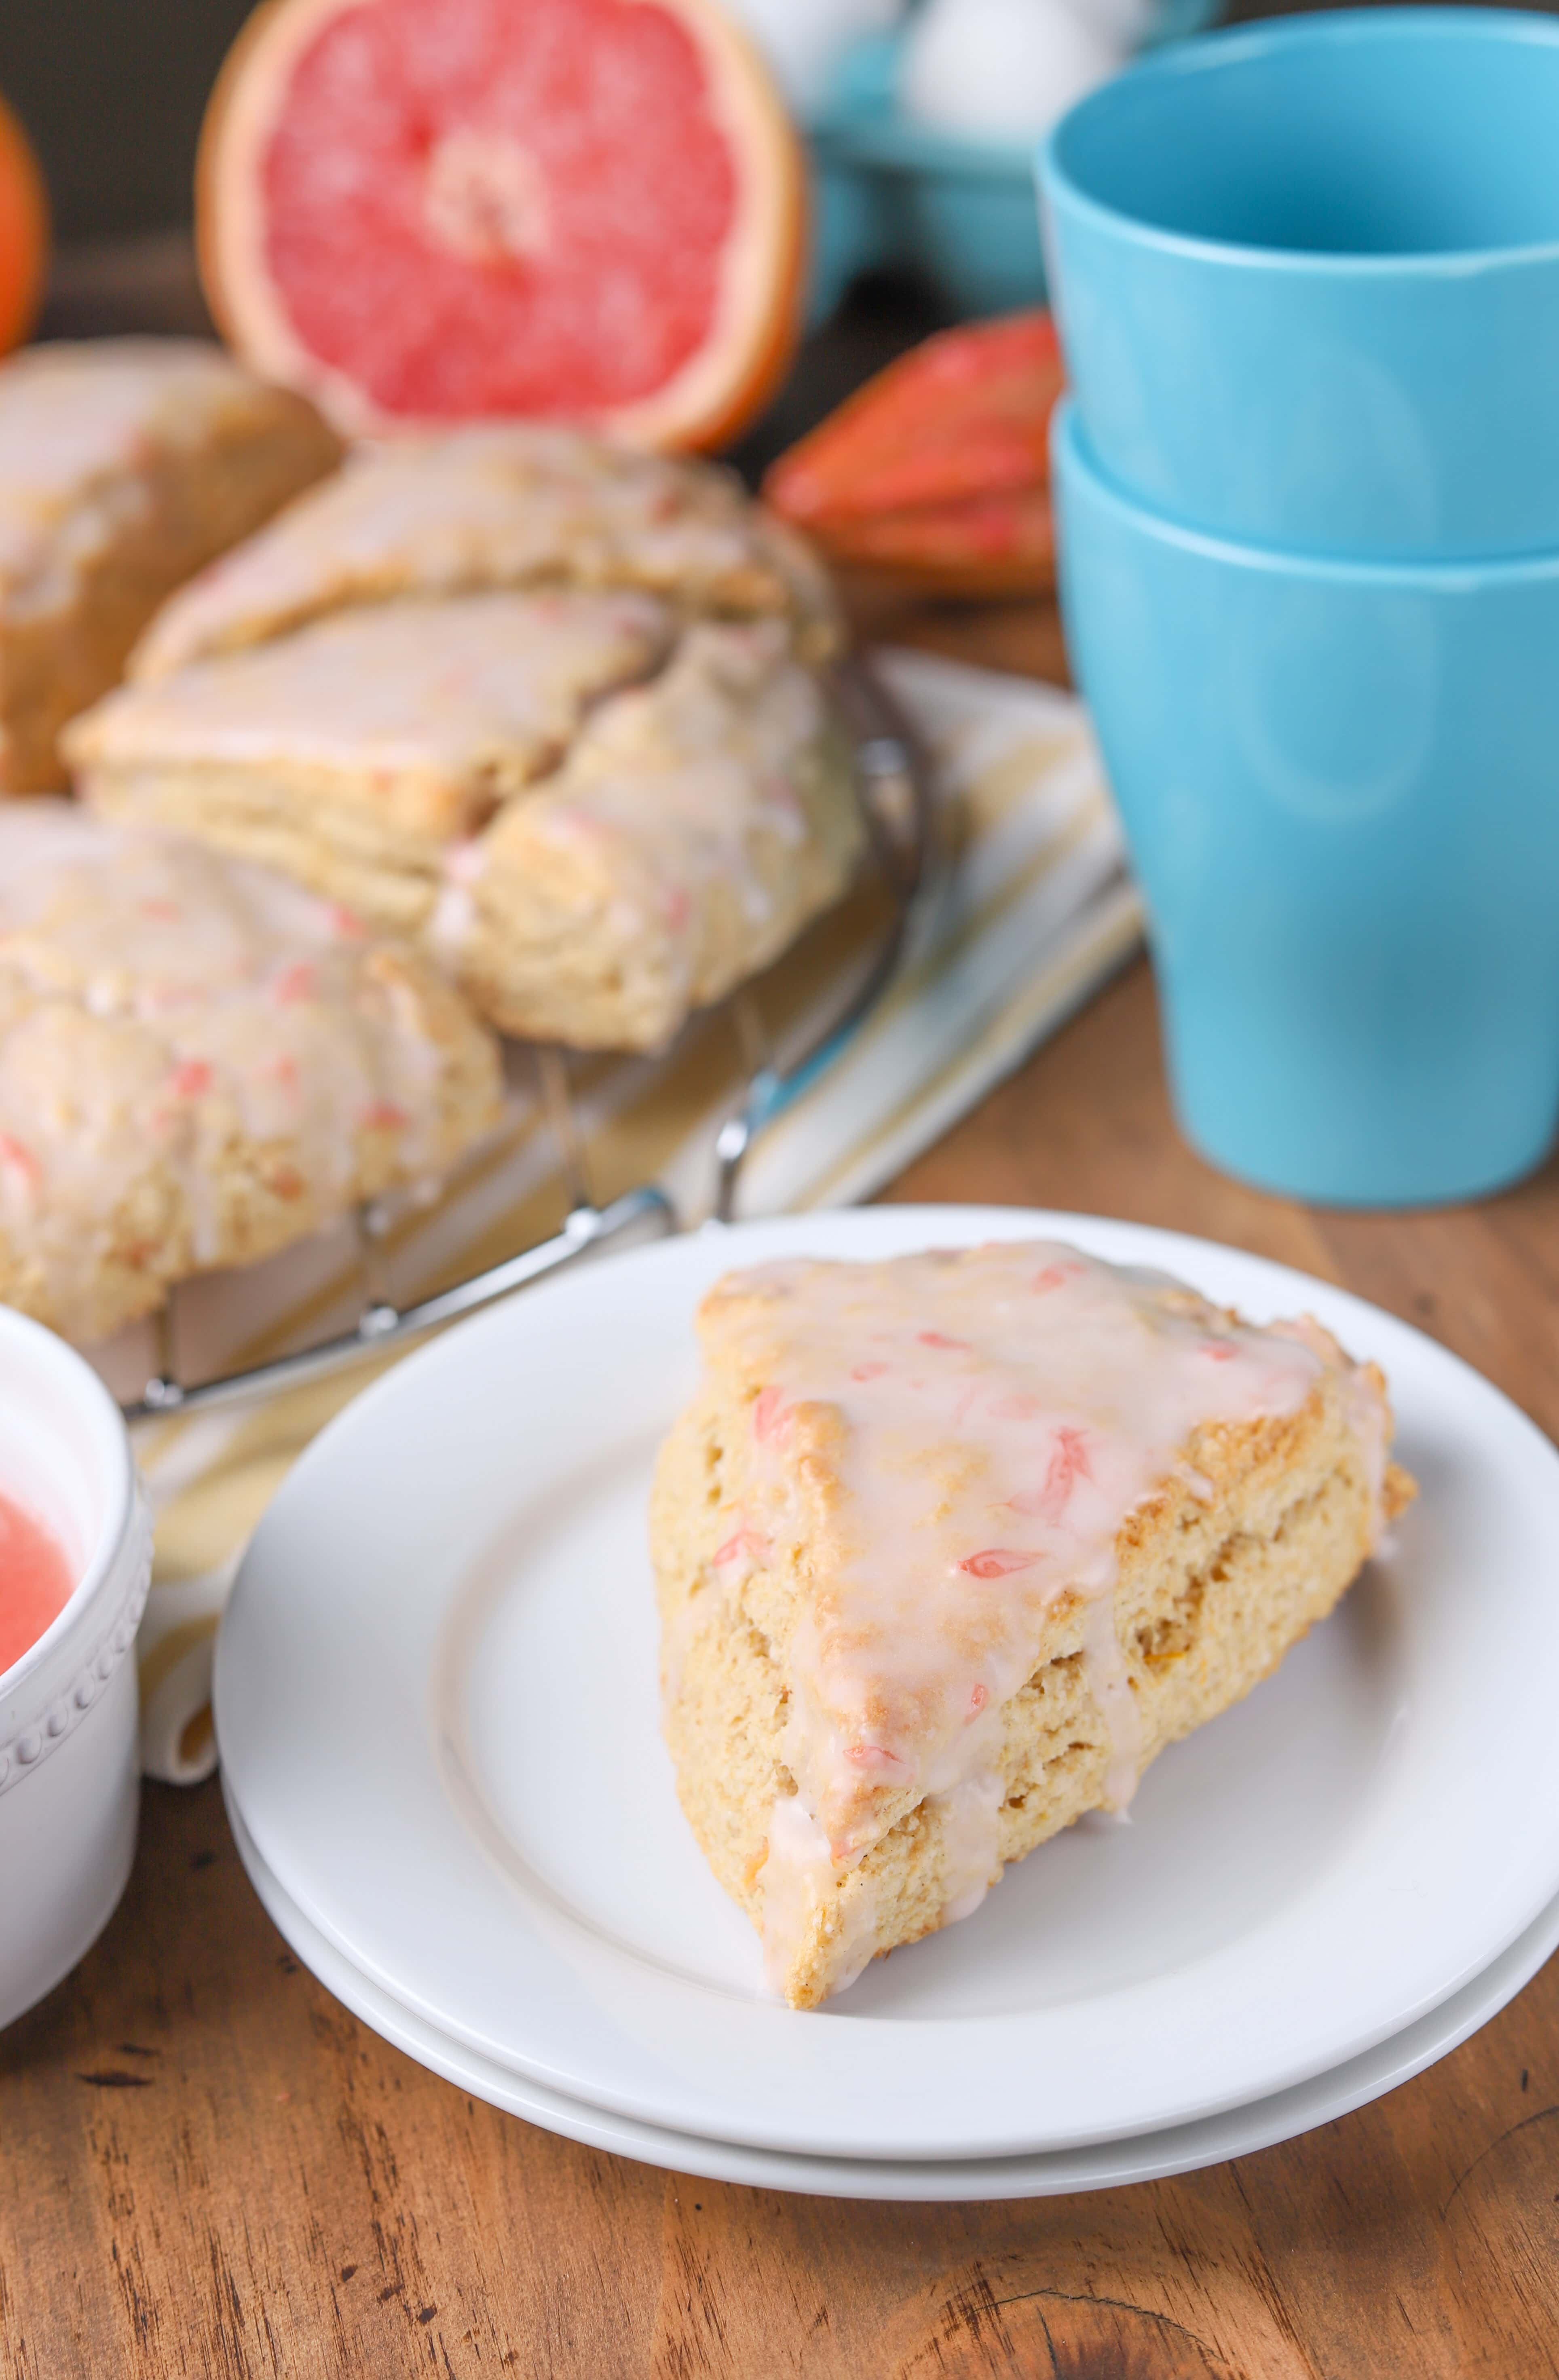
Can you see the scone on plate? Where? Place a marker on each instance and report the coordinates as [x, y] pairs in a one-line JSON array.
[[125, 466], [199, 1064], [504, 504], [949, 1547]]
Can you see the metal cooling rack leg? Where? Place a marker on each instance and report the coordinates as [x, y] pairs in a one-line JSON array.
[[737, 1133], [557, 1099], [587, 1231], [893, 787]]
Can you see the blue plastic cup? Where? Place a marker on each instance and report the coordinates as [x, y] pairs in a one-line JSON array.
[[1307, 276], [1340, 785]]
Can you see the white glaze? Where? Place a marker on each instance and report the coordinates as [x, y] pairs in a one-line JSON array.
[[491, 505], [471, 696]]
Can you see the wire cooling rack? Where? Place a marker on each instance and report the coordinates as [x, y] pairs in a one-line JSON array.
[[892, 789]]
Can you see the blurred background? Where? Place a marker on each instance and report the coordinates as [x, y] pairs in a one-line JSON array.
[[112, 91]]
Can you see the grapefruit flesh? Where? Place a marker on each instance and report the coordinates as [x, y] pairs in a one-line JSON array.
[[430, 211]]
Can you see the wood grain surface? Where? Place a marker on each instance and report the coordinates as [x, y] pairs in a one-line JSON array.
[[208, 2167]]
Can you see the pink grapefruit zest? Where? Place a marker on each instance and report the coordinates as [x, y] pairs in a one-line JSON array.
[[745, 1541], [769, 1420], [1218, 1351], [867, 1371], [347, 922], [872, 1756], [19, 1158], [191, 1078], [979, 1696], [295, 983], [1055, 1275], [997, 1562], [528, 218], [382, 1115], [165, 913], [940, 1339], [1068, 1464]]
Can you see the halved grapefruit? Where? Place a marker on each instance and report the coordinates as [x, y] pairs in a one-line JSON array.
[[428, 211]]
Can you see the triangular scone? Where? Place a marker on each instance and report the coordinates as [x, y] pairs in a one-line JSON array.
[[592, 855], [502, 505], [696, 826], [353, 753], [949, 1547]]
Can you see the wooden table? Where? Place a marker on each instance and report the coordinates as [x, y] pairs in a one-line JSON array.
[[207, 2166]]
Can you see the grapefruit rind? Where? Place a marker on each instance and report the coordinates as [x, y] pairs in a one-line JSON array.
[[24, 231], [705, 404]]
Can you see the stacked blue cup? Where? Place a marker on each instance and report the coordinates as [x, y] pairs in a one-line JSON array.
[[1307, 277]]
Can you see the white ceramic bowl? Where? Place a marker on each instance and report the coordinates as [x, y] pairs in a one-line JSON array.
[[70, 1780]]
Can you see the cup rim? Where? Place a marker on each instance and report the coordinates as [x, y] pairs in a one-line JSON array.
[[1464, 574], [43, 1350], [1334, 29]]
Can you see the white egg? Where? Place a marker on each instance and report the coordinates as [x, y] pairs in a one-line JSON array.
[[1004, 67], [1124, 23], [804, 40]]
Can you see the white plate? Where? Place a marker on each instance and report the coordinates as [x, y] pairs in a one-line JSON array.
[[437, 1703], [1183, 2148]]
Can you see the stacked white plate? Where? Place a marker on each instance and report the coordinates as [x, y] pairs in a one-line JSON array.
[[436, 1698]]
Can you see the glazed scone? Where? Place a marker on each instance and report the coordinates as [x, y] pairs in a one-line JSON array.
[[199, 1063], [408, 693], [502, 505], [698, 823], [125, 466], [354, 753], [407, 759], [949, 1547]]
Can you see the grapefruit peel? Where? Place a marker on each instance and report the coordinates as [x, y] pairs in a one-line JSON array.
[[937, 469]]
